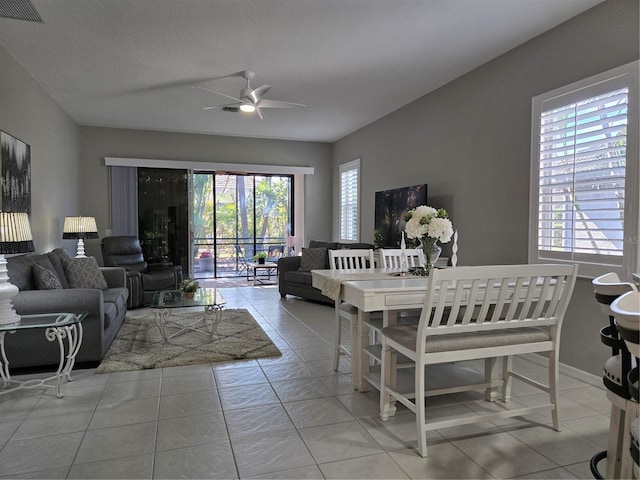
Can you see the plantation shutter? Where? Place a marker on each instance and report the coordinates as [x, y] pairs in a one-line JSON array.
[[581, 159], [349, 200]]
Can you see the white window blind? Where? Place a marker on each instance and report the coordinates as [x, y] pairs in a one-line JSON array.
[[585, 176], [349, 200]]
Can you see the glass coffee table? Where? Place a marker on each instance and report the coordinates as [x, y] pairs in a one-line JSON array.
[[164, 303], [66, 328]]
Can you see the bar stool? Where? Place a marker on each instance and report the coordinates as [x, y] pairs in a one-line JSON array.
[[607, 289], [626, 310]]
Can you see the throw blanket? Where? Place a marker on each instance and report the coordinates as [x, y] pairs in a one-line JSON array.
[[332, 286]]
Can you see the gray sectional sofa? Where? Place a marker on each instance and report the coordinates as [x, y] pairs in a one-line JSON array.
[[106, 309], [294, 278]]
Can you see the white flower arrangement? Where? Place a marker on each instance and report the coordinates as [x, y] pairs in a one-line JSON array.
[[424, 221]]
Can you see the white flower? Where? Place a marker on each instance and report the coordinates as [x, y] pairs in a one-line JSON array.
[[440, 228], [423, 211], [425, 221]]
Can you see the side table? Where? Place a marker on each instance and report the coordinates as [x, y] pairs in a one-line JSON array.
[[66, 328], [255, 266]]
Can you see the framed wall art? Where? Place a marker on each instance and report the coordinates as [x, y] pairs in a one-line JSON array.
[[15, 157]]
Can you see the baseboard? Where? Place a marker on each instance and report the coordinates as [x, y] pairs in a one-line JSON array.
[[569, 371]]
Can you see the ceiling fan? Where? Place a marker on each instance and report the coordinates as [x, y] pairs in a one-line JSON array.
[[250, 100]]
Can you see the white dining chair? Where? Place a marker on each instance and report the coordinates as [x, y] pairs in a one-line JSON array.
[[339, 260], [392, 257]]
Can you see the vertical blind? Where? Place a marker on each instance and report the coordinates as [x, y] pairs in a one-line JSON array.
[[349, 200], [582, 175]]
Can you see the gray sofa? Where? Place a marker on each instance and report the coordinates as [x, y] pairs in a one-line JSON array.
[[106, 310], [294, 280]]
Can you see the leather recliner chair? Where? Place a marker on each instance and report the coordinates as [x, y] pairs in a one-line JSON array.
[[143, 279]]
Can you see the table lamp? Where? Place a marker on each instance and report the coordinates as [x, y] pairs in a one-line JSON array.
[[15, 237], [79, 228]]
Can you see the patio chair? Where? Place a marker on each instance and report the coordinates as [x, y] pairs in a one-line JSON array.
[[242, 261]]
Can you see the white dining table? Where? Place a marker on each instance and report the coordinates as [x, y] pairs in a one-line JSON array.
[[372, 290]]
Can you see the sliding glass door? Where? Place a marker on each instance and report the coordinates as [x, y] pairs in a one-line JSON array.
[[236, 216], [163, 215]]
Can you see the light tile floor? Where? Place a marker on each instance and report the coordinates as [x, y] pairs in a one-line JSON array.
[[289, 417]]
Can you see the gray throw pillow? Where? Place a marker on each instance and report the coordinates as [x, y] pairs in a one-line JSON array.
[[84, 273], [313, 259], [45, 279]]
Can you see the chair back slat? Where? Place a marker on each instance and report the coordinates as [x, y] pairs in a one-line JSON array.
[[496, 297], [515, 311], [351, 259], [391, 257]]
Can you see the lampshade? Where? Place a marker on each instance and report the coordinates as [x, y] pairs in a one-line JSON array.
[[79, 227], [15, 233], [15, 237]]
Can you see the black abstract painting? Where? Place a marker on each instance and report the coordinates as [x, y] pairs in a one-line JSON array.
[[15, 157], [390, 207]]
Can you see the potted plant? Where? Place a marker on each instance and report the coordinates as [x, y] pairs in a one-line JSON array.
[[189, 287], [260, 257], [206, 261]]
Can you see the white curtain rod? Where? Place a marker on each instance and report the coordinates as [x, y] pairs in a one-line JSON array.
[[206, 166]]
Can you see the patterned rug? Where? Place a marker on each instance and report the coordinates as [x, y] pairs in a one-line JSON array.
[[139, 345]]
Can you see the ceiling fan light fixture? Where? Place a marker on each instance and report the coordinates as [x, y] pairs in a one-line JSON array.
[[247, 107]]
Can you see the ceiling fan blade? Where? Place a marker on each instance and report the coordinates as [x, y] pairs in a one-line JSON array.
[[278, 104], [217, 93], [259, 112], [257, 93], [228, 105]]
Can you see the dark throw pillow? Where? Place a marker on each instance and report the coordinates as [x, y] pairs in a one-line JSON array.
[[84, 273], [45, 279], [313, 259]]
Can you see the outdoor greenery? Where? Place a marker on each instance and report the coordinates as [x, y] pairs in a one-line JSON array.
[[235, 203]]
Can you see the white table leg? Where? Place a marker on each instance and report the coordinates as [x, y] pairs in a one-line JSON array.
[[4, 363], [214, 314], [73, 335], [361, 356]]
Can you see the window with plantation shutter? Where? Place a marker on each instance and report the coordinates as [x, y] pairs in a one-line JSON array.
[[584, 190], [350, 200]]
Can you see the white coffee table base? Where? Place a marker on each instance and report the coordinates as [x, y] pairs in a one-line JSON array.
[[206, 325]]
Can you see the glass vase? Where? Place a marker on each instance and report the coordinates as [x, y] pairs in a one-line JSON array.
[[431, 251]]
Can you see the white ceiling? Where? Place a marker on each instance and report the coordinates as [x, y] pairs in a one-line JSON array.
[[131, 63]]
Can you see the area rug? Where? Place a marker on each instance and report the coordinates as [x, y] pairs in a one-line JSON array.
[[139, 345]]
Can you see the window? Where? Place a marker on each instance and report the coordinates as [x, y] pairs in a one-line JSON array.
[[350, 200], [584, 182]]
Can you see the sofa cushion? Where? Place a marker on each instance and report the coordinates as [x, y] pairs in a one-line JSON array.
[[45, 279], [327, 245], [110, 314], [57, 258], [84, 273], [158, 280], [298, 277], [21, 272], [363, 246], [313, 259], [116, 297]]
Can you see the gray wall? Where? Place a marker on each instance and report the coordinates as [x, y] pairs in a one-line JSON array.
[[29, 114], [470, 140], [97, 143]]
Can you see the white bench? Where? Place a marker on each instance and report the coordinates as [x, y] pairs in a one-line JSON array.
[[480, 313]]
